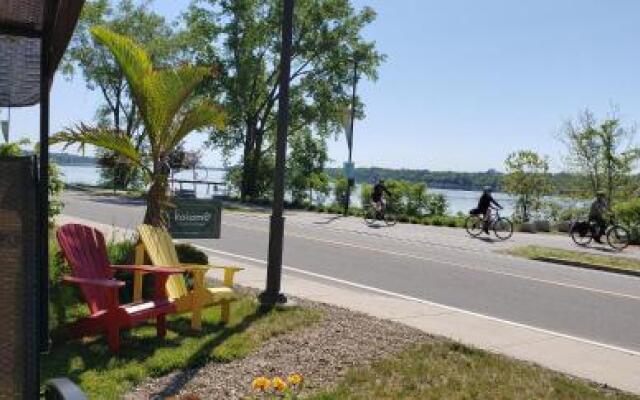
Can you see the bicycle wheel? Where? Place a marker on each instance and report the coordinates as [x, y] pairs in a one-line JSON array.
[[618, 237], [503, 228], [473, 225], [369, 216], [581, 233]]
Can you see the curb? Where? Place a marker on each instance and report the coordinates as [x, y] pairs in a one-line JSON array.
[[578, 264]]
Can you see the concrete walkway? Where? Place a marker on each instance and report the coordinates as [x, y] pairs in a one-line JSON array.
[[601, 363]]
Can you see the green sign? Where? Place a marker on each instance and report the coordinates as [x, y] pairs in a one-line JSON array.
[[195, 219]]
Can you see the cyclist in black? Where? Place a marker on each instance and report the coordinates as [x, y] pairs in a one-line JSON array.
[[599, 208], [376, 196], [485, 202]]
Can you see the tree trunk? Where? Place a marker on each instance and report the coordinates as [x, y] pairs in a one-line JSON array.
[[247, 174], [155, 198], [251, 164]]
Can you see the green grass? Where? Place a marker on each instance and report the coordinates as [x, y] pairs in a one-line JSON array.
[[103, 375], [539, 252], [446, 370]]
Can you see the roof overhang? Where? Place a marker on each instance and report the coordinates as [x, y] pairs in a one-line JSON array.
[[26, 28]]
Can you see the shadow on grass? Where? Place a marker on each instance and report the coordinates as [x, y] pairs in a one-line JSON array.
[[200, 358], [144, 355]]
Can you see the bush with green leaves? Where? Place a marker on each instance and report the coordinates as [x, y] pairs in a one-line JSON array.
[[573, 213], [366, 190], [437, 204], [340, 186], [628, 214], [188, 254]]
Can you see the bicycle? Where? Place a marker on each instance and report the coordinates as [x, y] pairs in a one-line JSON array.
[[582, 233], [371, 215], [502, 227]]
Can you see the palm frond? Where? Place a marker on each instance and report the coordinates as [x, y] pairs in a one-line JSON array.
[[83, 135], [200, 116], [134, 62], [170, 90]]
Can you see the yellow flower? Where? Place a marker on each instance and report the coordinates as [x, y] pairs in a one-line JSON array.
[[294, 379], [279, 384], [261, 383]]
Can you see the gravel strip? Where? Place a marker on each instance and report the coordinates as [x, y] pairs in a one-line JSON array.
[[322, 353]]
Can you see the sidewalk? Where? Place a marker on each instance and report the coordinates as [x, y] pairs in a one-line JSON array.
[[582, 358]]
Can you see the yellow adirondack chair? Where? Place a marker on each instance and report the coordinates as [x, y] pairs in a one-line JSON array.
[[157, 244]]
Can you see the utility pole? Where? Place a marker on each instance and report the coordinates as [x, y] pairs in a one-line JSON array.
[[350, 180], [272, 296]]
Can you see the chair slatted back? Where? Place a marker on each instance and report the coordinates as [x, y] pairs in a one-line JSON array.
[[162, 252], [86, 253]]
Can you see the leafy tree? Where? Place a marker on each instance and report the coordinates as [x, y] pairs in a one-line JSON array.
[[101, 72], [340, 186], [308, 155], [437, 204], [528, 178], [603, 153], [584, 150], [416, 198], [618, 157], [366, 191], [327, 36], [167, 108]]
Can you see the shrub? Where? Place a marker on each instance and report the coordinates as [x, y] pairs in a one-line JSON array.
[[451, 222], [366, 191], [572, 213], [121, 253], [628, 214], [340, 189], [436, 204], [188, 254], [437, 221], [61, 296]]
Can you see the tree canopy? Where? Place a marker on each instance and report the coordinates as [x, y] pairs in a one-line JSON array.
[[327, 41]]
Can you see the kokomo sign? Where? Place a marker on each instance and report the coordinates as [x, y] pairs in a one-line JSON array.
[[195, 219]]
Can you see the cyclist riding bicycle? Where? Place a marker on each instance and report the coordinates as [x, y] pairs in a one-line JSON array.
[[484, 204], [377, 196], [597, 212]]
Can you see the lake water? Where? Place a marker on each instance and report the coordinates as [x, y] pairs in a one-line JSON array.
[[458, 200]]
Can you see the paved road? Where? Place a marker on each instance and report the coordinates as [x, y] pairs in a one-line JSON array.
[[436, 264]]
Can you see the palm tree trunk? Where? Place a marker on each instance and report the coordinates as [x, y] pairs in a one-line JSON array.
[[156, 196]]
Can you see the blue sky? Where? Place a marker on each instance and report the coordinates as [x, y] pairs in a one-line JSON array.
[[465, 82]]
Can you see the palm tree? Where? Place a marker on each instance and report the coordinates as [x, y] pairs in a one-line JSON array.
[[169, 113]]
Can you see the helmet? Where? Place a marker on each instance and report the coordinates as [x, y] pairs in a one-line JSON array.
[[600, 193], [380, 180], [486, 189]]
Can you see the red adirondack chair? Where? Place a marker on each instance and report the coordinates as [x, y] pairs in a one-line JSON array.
[[85, 250]]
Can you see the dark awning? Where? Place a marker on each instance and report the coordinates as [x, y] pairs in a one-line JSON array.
[[22, 26]]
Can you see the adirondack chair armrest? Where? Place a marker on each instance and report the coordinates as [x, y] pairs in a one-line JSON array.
[[106, 283], [150, 269], [229, 272]]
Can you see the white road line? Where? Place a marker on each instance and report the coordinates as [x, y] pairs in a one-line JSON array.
[[458, 265], [427, 302]]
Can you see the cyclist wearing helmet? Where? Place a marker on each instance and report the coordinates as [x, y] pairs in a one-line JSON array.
[[599, 208], [484, 204], [376, 196]]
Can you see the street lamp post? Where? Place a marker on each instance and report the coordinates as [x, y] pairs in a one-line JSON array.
[[350, 180], [272, 296]]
